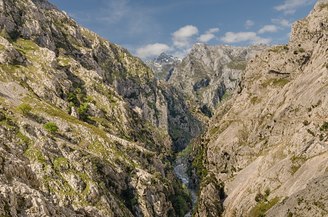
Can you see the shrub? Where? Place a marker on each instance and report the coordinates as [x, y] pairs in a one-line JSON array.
[[72, 98], [51, 127], [301, 50], [25, 109], [262, 207], [83, 111], [324, 126]]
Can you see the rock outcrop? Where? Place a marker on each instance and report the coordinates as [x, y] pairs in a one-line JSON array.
[[267, 146], [163, 66], [85, 127]]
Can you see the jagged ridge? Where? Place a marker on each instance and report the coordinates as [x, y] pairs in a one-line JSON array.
[[266, 148]]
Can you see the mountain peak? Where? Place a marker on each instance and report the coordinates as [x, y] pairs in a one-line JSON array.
[[165, 58]]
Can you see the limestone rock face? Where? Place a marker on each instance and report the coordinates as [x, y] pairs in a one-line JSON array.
[[163, 65], [85, 126], [268, 144], [208, 74]]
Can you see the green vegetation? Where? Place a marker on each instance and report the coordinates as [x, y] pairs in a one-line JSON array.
[[106, 92], [181, 200], [237, 65], [98, 148], [51, 127], [277, 49], [83, 111], [275, 82], [34, 154], [79, 99], [88, 34], [280, 82], [8, 122], [61, 163], [301, 50], [186, 152], [25, 46], [180, 205], [255, 100], [324, 126], [8, 68], [55, 112], [24, 139], [226, 96], [198, 160], [297, 162], [63, 60], [25, 109], [262, 207]]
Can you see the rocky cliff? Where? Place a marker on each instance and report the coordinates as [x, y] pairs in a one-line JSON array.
[[266, 149], [163, 66], [86, 129], [209, 74]]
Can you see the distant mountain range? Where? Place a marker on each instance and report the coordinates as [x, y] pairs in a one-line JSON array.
[[207, 74]]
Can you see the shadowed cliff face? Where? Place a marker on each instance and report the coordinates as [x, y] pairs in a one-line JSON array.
[[86, 130], [266, 147]]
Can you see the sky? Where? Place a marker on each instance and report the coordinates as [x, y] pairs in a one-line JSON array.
[[149, 27]]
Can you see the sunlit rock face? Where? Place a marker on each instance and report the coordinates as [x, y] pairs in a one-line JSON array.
[[266, 147]]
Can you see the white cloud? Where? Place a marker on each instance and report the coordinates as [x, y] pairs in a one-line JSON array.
[[236, 37], [181, 38], [208, 35], [281, 22], [249, 24], [268, 28], [151, 50], [290, 6]]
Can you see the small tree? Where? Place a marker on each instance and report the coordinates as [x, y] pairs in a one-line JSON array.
[[25, 109], [51, 127], [83, 111]]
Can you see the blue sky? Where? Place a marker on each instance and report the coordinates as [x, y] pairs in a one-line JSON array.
[[149, 27]]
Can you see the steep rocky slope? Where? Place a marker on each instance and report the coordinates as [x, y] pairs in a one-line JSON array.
[[85, 127], [208, 74], [163, 65], [266, 149]]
